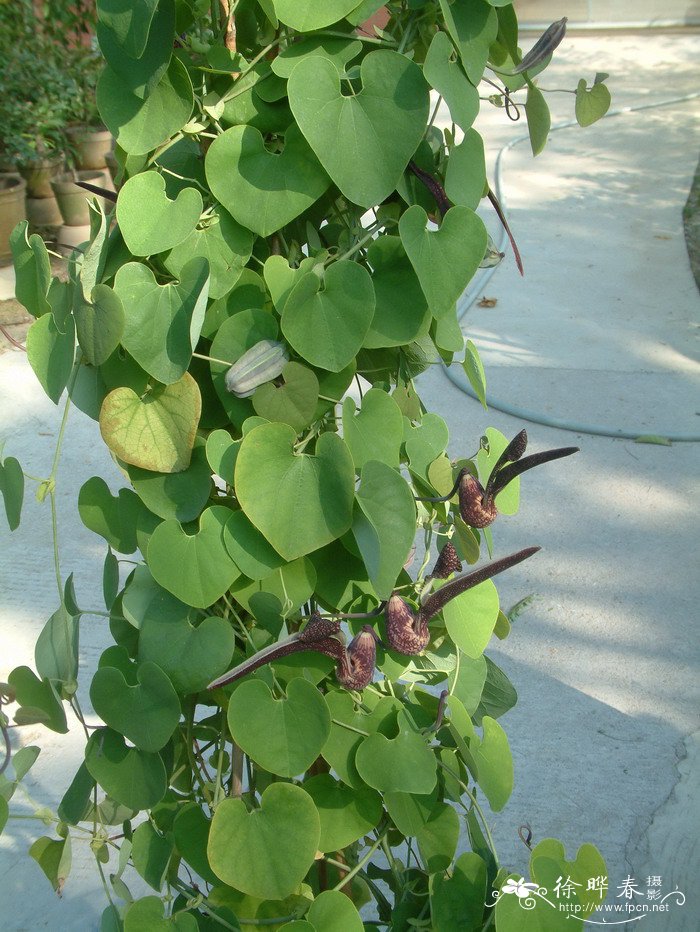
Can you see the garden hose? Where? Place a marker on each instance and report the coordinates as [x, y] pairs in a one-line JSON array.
[[458, 378]]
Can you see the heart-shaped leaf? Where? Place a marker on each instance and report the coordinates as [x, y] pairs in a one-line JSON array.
[[141, 125], [263, 190], [156, 431], [195, 567], [112, 517], [191, 833], [180, 495], [437, 838], [446, 259], [342, 744], [129, 20], [236, 335], [51, 353], [508, 500], [146, 714], [457, 901], [251, 553], [38, 700], [383, 524], [376, 432], [307, 15], [99, 324], [222, 452], [284, 736], [333, 911], [290, 586], [473, 27], [402, 764], [346, 813], [446, 76], [141, 74], [32, 269], [401, 314], [591, 104], [150, 854], [293, 402], [470, 618], [190, 656], [163, 322], [425, 443], [298, 501], [326, 319], [132, 777], [146, 915], [226, 246], [340, 51], [465, 179], [364, 141], [267, 852], [149, 221]]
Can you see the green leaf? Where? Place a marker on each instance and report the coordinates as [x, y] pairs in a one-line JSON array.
[[307, 15], [191, 834], [77, 799], [444, 73], [149, 220], [95, 257], [32, 270], [180, 495], [403, 764], [327, 318], [465, 178], [12, 490], [425, 443], [445, 260], [222, 452], [112, 517], [470, 678], [283, 736], [54, 857], [136, 779], [141, 125], [38, 700], [364, 141], [507, 501], [470, 618], [298, 501], [498, 695], [157, 431], [23, 760], [50, 354], [409, 812], [346, 814], [4, 813], [129, 20], [437, 838], [293, 402], [591, 104], [163, 322], [457, 901], [56, 649], [376, 431], [474, 371], [146, 915], [493, 763], [99, 324], [653, 438], [333, 911], [251, 553], [262, 190], [340, 51], [265, 853], [473, 27], [384, 524], [538, 119], [401, 314], [146, 714], [226, 246], [195, 567], [141, 74], [151, 854]]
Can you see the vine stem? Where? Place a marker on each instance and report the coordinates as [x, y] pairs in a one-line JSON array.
[[361, 863]]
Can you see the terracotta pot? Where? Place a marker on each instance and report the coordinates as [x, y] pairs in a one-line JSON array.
[[38, 174], [72, 200], [43, 212], [12, 208], [91, 145]]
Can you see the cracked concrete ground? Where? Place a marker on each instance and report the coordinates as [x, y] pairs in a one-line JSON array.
[[605, 659]]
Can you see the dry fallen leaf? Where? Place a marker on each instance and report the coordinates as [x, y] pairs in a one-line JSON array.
[[487, 302]]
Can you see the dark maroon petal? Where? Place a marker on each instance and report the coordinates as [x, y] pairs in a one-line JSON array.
[[406, 632], [447, 563], [356, 669], [476, 510]]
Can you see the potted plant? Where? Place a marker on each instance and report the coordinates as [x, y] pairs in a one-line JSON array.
[[297, 723]]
